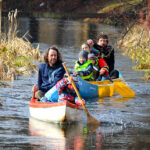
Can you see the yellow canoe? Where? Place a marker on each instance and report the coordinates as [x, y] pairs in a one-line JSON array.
[[95, 89]]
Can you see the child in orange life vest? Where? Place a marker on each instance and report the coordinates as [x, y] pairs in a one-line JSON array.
[[101, 69], [67, 92], [86, 47], [84, 68]]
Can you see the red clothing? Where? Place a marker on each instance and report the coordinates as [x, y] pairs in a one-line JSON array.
[[103, 65], [66, 92]]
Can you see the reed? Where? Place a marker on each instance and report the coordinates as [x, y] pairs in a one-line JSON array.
[[136, 45], [16, 54]]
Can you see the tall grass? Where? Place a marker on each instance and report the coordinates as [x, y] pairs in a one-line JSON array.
[[16, 54], [136, 45]]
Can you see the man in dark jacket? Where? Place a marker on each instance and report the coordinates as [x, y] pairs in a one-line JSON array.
[[106, 51], [49, 72]]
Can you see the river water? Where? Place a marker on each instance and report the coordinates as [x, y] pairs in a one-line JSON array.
[[125, 122]]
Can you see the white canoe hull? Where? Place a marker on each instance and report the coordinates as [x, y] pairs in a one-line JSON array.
[[56, 112]]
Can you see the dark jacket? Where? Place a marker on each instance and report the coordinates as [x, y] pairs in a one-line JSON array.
[[49, 76], [107, 53]]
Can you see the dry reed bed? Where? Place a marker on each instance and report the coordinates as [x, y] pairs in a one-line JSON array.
[[16, 58], [136, 45], [16, 54]]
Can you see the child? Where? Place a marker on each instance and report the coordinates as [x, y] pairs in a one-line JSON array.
[[67, 92], [106, 51], [101, 69], [62, 91], [86, 47], [83, 67]]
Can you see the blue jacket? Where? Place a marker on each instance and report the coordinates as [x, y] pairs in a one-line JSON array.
[[49, 76]]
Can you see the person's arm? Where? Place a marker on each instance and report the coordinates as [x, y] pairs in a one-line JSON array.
[[58, 76], [47, 86], [87, 71], [95, 52], [109, 56], [98, 47], [94, 45], [78, 102], [61, 85], [90, 42], [40, 74], [109, 52], [104, 67]]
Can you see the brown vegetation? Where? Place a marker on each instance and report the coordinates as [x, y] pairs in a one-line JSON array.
[[136, 41], [16, 54]]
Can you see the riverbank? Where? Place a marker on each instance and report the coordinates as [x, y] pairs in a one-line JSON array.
[[112, 12], [136, 45], [16, 53], [119, 13]]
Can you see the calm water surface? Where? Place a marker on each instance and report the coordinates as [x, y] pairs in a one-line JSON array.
[[125, 122]]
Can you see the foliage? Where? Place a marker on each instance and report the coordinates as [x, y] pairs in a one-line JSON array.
[[121, 5], [118, 12]]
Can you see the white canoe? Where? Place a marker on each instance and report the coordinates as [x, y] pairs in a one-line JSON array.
[[56, 112]]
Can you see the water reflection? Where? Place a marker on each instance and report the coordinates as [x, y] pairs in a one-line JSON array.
[[33, 30], [62, 32], [116, 101], [56, 136], [73, 137]]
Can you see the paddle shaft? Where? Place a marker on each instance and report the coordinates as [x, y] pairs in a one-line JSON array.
[[75, 88], [90, 119]]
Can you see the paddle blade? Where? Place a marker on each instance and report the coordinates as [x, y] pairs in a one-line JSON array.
[[92, 120], [123, 89]]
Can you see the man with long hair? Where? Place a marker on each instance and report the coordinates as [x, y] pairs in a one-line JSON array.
[[50, 72]]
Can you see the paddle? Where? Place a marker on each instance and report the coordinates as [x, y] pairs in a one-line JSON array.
[[121, 88], [90, 119]]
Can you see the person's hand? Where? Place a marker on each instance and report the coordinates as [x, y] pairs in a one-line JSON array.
[[35, 88], [102, 72], [83, 101], [78, 102], [75, 73], [90, 42], [70, 78]]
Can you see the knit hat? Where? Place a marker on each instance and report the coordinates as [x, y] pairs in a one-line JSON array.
[[83, 54], [91, 56]]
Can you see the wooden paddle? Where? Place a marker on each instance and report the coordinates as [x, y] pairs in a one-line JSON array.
[[90, 119]]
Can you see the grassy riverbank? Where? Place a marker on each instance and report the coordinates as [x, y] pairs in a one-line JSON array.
[[16, 58], [136, 45], [16, 53], [119, 13]]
